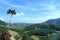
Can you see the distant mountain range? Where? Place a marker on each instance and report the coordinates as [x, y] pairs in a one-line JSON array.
[[54, 21], [21, 24], [53, 24], [51, 21]]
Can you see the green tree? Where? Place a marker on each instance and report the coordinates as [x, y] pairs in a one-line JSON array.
[[11, 12], [52, 26]]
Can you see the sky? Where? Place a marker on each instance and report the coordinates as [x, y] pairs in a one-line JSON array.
[[30, 11]]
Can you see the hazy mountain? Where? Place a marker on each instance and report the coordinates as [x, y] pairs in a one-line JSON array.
[[51, 21], [54, 21], [21, 24], [49, 24], [2, 22]]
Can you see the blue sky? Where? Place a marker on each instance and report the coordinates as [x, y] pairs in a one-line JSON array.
[[30, 11]]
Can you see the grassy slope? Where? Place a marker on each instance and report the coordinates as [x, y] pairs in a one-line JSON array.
[[19, 28]]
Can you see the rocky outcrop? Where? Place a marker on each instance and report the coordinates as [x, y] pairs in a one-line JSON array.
[[10, 35], [14, 35]]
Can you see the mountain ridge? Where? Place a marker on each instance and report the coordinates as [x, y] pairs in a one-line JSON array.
[[3, 23], [53, 21]]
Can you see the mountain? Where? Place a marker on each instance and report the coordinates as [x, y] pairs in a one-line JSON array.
[[37, 26], [21, 24], [49, 24], [2, 22], [54, 21]]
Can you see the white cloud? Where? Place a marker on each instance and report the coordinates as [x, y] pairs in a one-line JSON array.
[[20, 14], [48, 6], [1, 18], [17, 14]]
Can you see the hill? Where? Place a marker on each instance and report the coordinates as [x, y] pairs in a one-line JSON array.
[[49, 24], [2, 22], [20, 26], [54, 21]]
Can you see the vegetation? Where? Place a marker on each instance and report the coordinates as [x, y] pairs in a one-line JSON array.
[[41, 31], [2, 22], [41, 26]]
